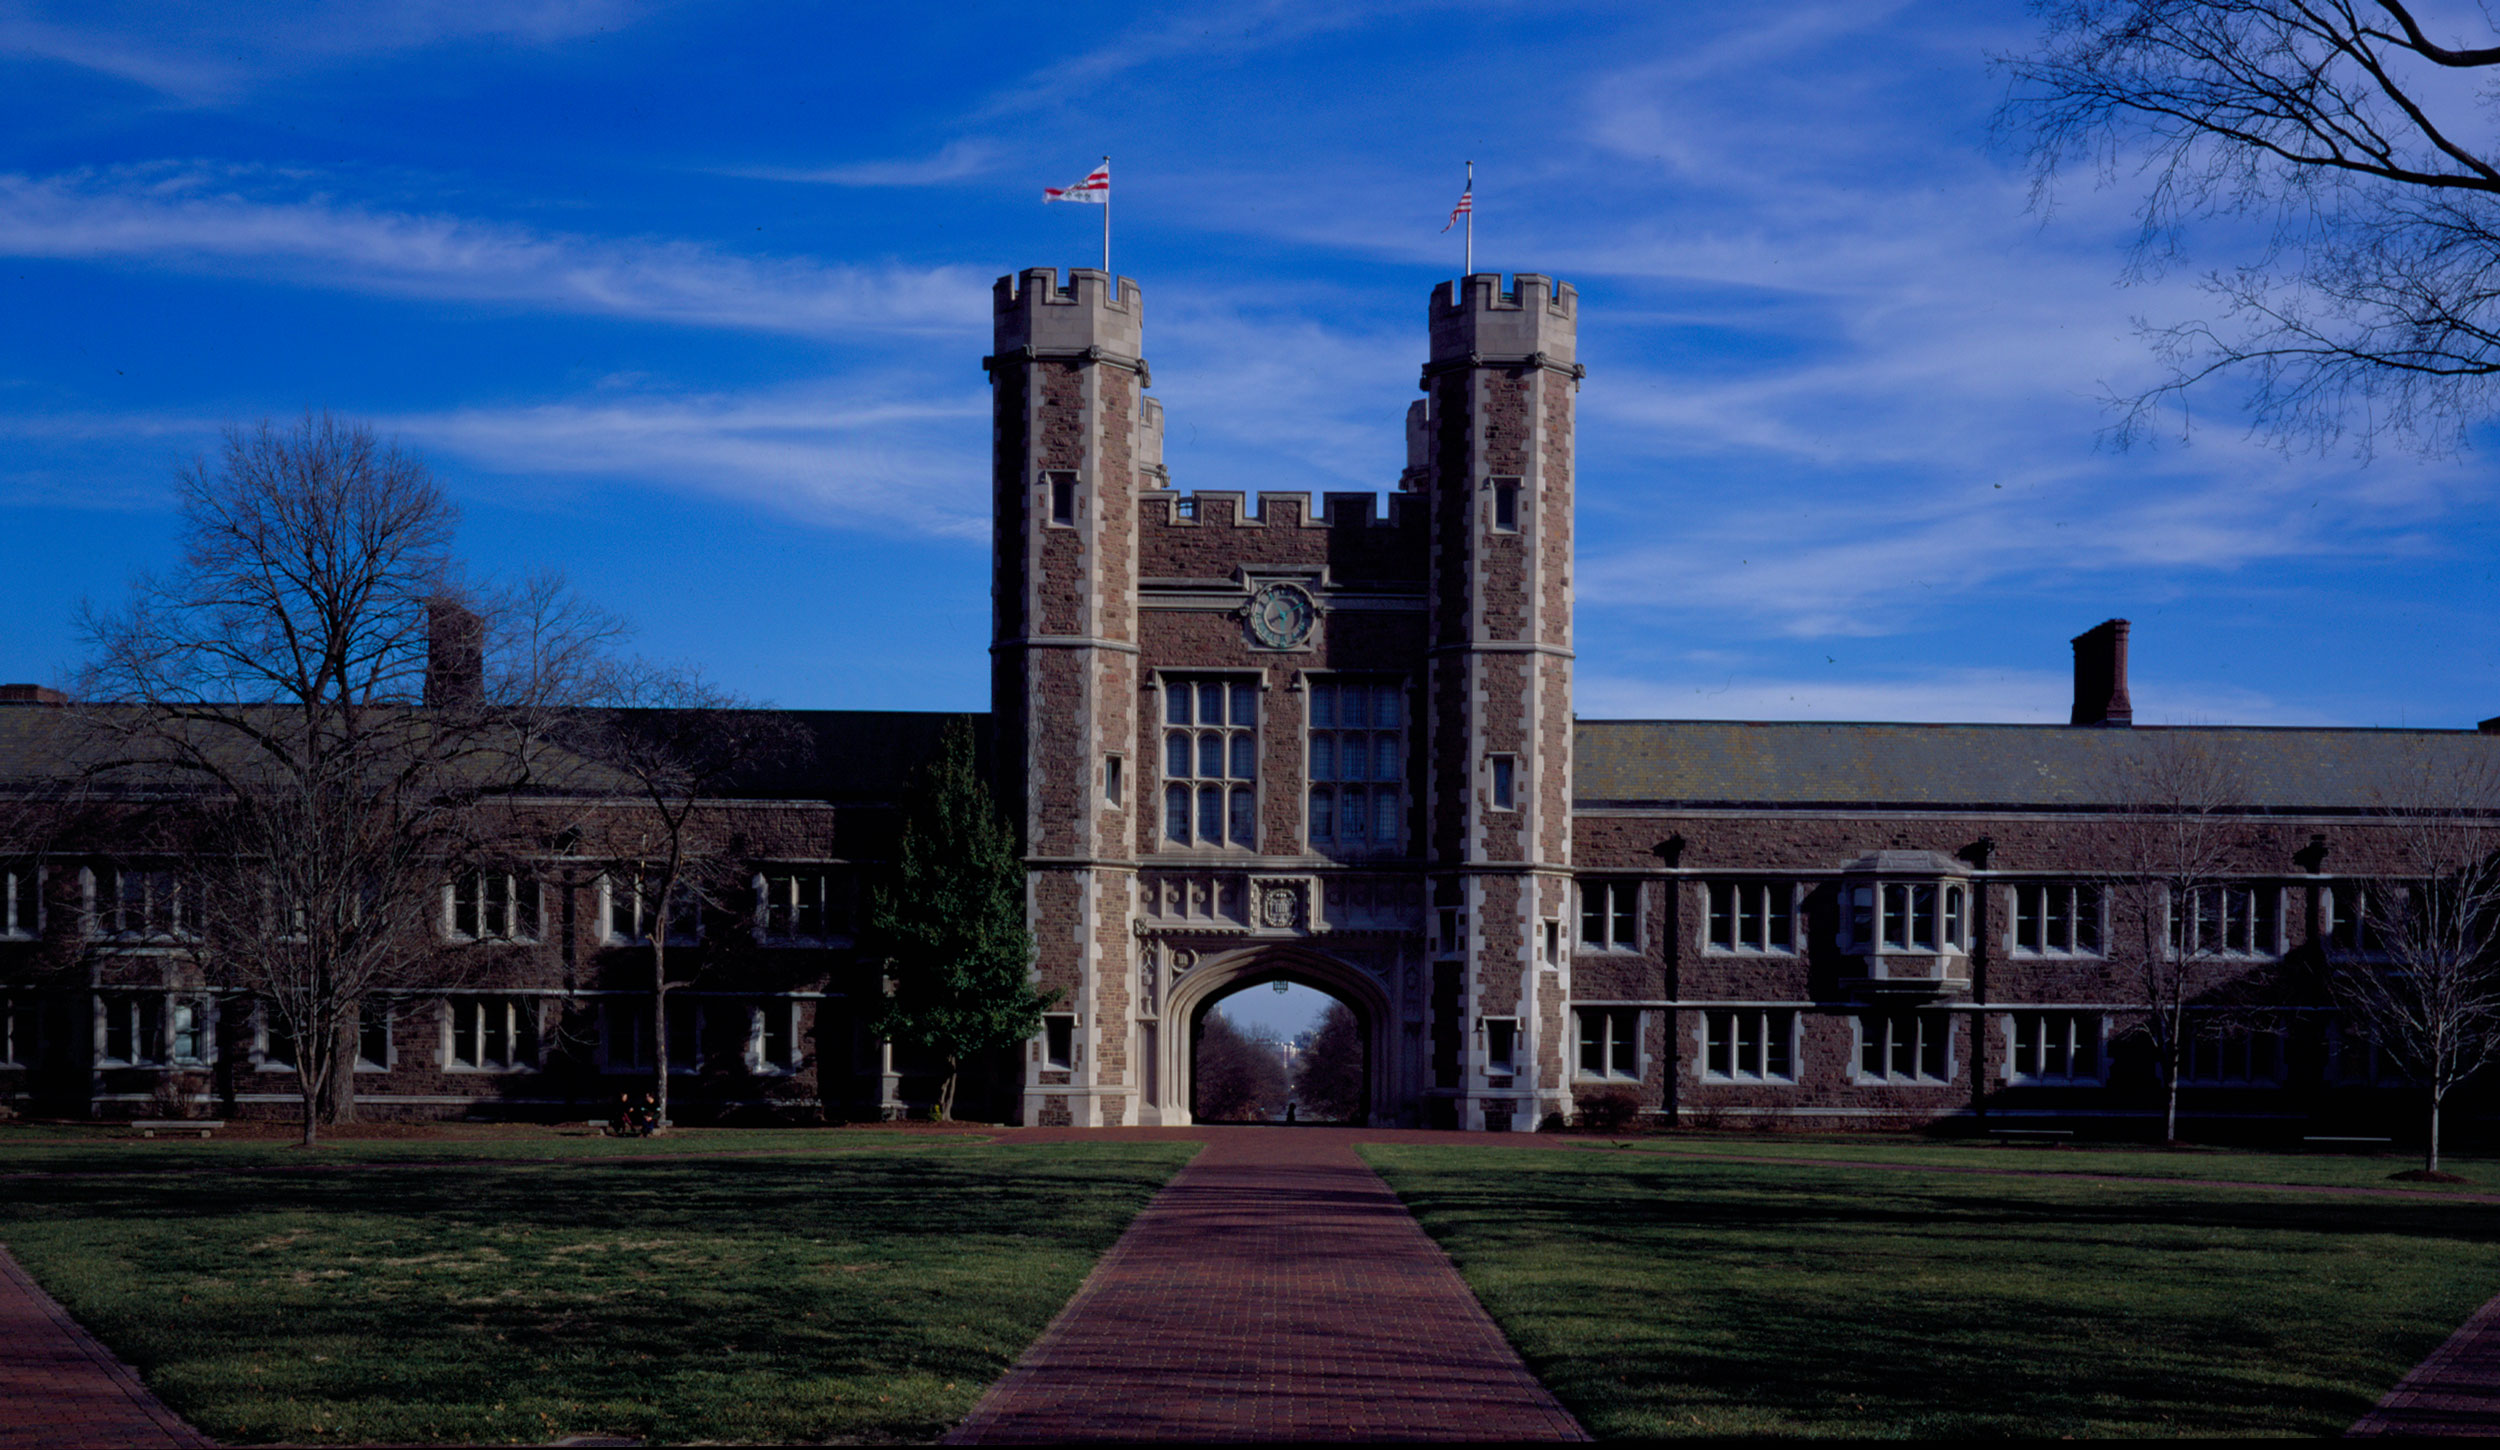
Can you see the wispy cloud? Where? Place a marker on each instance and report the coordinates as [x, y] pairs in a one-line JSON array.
[[1937, 696], [827, 453], [956, 161], [200, 219], [206, 55]]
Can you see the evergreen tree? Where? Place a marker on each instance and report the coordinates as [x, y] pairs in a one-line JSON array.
[[951, 926]]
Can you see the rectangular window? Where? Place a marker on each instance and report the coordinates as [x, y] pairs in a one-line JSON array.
[[17, 1031], [2054, 1047], [777, 1035], [1610, 915], [21, 902], [134, 1027], [630, 914], [493, 1033], [1506, 505], [139, 903], [1749, 1045], [188, 1021], [373, 1035], [1505, 796], [1610, 1042], [2233, 1055], [1453, 929], [1549, 943], [1111, 784], [2057, 919], [1753, 916], [1909, 1047], [2226, 921], [1210, 763], [625, 1034], [2360, 916], [803, 903], [1357, 764], [2355, 1061], [1059, 1041], [1063, 499], [493, 906], [1501, 1044]]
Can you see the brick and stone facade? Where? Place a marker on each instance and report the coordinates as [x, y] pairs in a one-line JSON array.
[[1332, 741]]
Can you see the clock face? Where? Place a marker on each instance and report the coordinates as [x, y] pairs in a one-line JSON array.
[[1281, 615]]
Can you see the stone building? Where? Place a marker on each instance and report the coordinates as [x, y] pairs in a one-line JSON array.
[[1331, 741]]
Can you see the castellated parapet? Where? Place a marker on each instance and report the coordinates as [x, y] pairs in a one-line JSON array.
[[1535, 323], [1092, 316]]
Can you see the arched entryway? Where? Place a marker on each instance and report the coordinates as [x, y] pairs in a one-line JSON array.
[[1215, 978]]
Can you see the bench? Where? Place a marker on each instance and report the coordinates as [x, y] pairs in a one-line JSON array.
[[147, 1126]]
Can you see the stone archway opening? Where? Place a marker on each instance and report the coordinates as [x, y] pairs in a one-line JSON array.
[[1273, 1048], [1359, 1089]]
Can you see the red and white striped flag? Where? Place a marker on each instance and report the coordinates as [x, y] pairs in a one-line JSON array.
[[1466, 205], [1096, 187]]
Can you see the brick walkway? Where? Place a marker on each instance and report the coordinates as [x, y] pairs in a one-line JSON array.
[[59, 1387], [2454, 1392], [1275, 1290]]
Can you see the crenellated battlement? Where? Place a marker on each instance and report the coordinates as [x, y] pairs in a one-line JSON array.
[[1092, 313], [1475, 321], [1283, 508]]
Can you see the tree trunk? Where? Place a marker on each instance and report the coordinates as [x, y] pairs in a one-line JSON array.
[[946, 1090], [309, 1085], [339, 1102], [659, 1026], [2430, 1161], [2170, 1098]]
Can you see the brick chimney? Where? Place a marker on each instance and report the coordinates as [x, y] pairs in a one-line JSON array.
[[455, 654], [2101, 676], [31, 695]]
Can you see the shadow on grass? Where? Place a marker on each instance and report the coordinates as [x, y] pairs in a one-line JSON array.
[[1658, 1298], [863, 1295]]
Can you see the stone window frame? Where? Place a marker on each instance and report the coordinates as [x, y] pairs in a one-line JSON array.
[[1063, 500], [778, 923], [2344, 1047], [1501, 786], [1235, 684], [20, 1029], [1780, 1027], [2347, 924], [1611, 1043], [1612, 912], [1785, 893], [2205, 1057], [519, 1010], [2264, 920], [1371, 786], [1114, 780], [108, 901], [1058, 1042], [2087, 905], [1929, 1045], [21, 902], [470, 893], [1507, 492], [2020, 1044], [1504, 1061], [1866, 926], [688, 909]]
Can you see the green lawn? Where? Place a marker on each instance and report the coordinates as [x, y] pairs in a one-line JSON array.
[[870, 1289], [2333, 1170], [1668, 1293]]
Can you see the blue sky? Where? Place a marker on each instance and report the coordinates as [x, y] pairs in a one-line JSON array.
[[688, 301]]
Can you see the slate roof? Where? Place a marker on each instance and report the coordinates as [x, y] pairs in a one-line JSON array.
[[1734, 763]]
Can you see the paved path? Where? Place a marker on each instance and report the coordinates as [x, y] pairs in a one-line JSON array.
[[2454, 1392], [59, 1387], [1275, 1290]]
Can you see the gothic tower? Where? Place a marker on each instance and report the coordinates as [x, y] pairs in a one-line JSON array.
[[1496, 438], [1070, 443]]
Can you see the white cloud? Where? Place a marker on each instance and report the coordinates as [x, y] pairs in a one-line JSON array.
[[821, 453], [955, 161], [195, 218]]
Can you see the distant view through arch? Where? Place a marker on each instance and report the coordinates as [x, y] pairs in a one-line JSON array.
[[1317, 980], [1253, 1063]]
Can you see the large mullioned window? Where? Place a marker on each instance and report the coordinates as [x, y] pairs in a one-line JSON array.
[[1210, 763], [1753, 916], [1358, 757], [2057, 919]]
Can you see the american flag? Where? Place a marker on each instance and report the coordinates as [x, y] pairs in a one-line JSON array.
[[1466, 204], [1096, 187]]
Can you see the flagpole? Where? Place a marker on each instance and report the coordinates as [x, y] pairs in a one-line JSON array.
[[1471, 221], [1106, 228]]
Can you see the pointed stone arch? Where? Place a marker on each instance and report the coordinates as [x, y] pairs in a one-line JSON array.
[[1219, 975]]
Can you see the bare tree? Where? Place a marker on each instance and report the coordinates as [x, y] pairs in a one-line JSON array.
[[2170, 882], [1239, 1077], [656, 757], [2370, 302], [1328, 1076], [2416, 971], [276, 684]]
